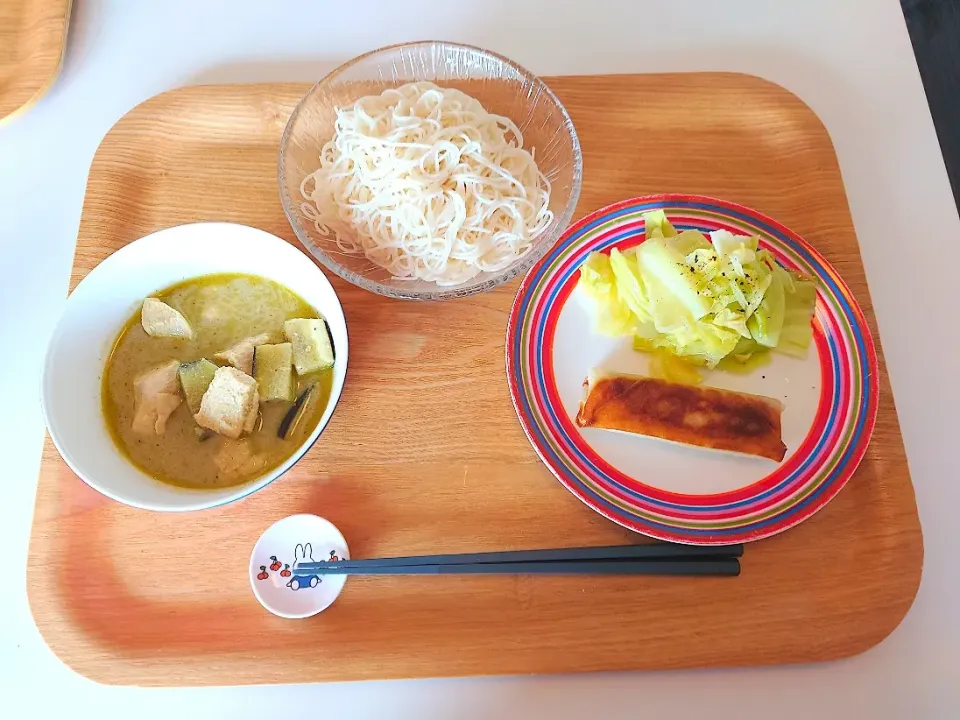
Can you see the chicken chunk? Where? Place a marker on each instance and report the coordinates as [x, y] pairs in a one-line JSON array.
[[230, 404], [241, 354], [236, 458], [156, 396], [160, 320]]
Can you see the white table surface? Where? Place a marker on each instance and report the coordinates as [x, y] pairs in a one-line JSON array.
[[853, 65]]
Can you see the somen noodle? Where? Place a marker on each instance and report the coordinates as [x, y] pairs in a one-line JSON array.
[[427, 184]]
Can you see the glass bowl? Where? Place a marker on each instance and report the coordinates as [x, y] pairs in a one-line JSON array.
[[501, 86]]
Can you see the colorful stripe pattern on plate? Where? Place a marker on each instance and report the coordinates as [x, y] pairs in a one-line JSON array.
[[806, 480]]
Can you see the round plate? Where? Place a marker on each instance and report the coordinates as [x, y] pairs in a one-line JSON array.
[[681, 493], [280, 574]]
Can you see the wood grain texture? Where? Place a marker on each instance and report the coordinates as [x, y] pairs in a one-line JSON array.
[[424, 453], [32, 38]]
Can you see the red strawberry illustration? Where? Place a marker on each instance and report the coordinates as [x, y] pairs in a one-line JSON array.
[[333, 556], [263, 574], [286, 570], [275, 565]]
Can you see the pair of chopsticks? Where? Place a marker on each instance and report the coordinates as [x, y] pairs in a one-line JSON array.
[[657, 559]]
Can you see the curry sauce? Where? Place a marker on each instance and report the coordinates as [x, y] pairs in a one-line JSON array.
[[222, 310]]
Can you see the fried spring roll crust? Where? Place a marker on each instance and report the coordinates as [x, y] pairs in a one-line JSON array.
[[701, 416]]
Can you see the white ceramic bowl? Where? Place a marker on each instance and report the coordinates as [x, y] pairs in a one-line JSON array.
[[95, 313]]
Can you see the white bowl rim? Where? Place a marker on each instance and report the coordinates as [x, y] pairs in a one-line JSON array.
[[240, 491]]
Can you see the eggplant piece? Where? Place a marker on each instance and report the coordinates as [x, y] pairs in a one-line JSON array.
[[312, 347], [195, 378], [202, 434], [273, 370], [292, 419]]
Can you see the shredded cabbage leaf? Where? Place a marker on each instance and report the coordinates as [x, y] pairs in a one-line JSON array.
[[597, 281], [699, 297]]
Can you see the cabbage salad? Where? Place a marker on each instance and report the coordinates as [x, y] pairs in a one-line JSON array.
[[702, 298]]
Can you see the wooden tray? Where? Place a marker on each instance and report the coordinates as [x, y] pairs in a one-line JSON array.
[[425, 454], [33, 35]]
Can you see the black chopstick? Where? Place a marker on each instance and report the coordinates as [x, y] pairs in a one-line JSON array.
[[654, 552], [719, 566]]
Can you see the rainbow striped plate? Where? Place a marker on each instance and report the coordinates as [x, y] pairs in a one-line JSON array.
[[672, 492]]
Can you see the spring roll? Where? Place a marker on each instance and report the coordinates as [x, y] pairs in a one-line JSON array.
[[692, 415]]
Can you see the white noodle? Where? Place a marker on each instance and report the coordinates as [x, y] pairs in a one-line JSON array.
[[428, 185]]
